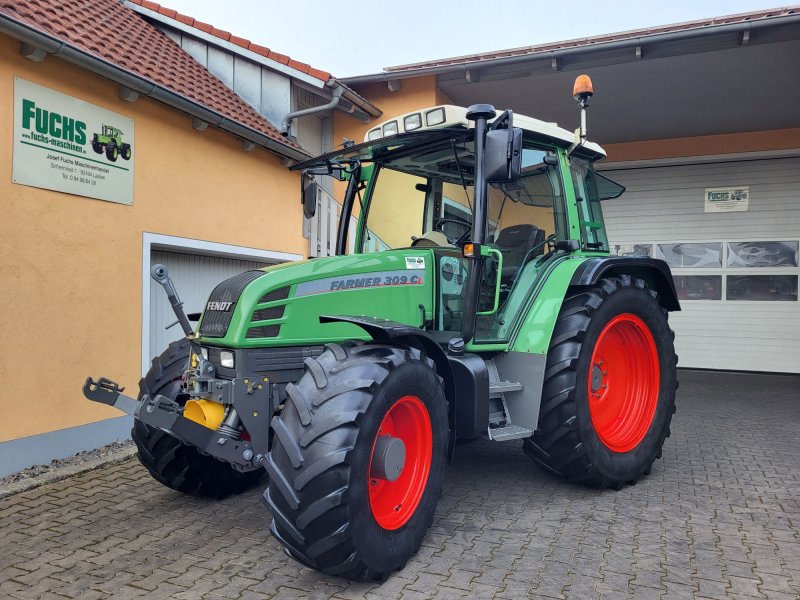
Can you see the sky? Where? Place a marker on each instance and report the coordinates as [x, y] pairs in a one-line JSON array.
[[349, 39]]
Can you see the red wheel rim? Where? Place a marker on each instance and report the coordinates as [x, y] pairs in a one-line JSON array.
[[394, 502], [623, 382]]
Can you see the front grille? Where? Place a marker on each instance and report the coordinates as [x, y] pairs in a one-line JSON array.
[[265, 331], [274, 295], [265, 314], [215, 322], [280, 365]]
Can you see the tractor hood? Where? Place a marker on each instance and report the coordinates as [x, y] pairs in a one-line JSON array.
[[281, 305]]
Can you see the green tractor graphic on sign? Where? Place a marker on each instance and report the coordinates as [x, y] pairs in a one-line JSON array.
[[110, 142]]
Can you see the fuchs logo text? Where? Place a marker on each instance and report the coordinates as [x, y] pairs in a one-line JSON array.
[[49, 123], [219, 306]]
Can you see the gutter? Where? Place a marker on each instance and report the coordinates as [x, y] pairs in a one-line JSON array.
[[631, 42], [344, 98], [143, 86]]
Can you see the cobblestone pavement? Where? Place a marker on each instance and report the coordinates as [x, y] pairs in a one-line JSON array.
[[718, 518]]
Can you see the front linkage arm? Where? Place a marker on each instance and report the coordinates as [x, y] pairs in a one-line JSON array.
[[165, 414]]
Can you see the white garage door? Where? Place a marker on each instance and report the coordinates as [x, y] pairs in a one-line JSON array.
[[736, 271], [194, 276]]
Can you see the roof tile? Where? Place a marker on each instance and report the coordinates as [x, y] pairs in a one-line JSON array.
[[262, 50], [235, 39], [281, 58], [128, 41], [203, 26], [300, 66], [225, 35]]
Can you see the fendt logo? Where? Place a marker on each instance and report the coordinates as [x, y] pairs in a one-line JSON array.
[[219, 306], [51, 127]]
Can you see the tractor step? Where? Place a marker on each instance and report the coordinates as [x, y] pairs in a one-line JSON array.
[[509, 432], [501, 387]]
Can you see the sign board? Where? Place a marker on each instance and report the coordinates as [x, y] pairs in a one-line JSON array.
[[727, 199], [68, 145]]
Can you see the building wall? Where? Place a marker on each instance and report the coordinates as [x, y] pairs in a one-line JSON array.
[[729, 143], [71, 267]]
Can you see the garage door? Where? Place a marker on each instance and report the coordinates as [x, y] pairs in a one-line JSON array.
[[194, 276], [736, 270]]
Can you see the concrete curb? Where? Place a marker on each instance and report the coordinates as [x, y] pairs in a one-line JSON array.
[[67, 471]]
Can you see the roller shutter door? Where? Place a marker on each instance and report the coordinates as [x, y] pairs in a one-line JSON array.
[[194, 276], [737, 271]]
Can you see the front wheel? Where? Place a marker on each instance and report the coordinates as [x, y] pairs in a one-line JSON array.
[[357, 462], [609, 390]]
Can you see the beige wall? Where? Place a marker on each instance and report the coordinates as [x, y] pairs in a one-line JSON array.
[[729, 143], [71, 267]]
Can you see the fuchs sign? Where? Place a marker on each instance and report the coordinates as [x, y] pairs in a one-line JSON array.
[[68, 145]]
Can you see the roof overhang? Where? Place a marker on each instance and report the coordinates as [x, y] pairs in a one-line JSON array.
[[722, 78]]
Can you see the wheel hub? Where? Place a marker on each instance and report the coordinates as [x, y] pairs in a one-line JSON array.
[[388, 458], [597, 377]]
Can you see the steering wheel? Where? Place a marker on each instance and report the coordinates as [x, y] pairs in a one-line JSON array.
[[454, 240]]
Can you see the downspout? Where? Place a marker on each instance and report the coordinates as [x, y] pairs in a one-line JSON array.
[[287, 120]]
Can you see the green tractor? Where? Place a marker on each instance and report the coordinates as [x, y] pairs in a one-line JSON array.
[[110, 142], [496, 312]]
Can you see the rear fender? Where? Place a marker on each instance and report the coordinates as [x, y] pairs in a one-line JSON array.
[[654, 271]]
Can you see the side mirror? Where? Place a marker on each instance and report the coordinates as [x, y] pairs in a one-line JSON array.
[[503, 151], [308, 195]]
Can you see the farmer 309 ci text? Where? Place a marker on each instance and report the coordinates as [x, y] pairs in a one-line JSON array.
[[479, 300]]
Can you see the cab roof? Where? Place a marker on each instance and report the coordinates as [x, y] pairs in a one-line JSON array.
[[449, 115]]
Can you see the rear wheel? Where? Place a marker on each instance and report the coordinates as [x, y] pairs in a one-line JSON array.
[[357, 461], [112, 152], [609, 390], [126, 151], [170, 461]]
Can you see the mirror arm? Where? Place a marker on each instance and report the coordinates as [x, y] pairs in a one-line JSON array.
[[347, 208]]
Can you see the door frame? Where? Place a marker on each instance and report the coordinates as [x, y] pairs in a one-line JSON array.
[[171, 243]]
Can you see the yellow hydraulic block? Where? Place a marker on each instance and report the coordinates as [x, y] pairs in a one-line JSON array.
[[207, 413]]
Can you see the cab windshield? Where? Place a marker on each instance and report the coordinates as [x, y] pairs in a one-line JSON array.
[[427, 199]]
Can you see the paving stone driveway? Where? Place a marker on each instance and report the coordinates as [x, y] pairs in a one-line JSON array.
[[718, 518]]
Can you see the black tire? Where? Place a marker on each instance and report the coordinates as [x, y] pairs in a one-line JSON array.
[[170, 461], [126, 151], [98, 147], [566, 442], [112, 152], [318, 464]]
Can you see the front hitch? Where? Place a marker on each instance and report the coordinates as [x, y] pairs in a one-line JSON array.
[[162, 413]]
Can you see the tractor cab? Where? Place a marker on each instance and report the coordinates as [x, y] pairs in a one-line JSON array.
[[413, 186]]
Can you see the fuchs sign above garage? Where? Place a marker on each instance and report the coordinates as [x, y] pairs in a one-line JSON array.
[[68, 145]]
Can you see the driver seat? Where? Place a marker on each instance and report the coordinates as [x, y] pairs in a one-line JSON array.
[[515, 242]]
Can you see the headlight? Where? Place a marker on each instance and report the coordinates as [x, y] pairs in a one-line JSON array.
[[434, 117], [412, 122], [390, 128], [226, 359]]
